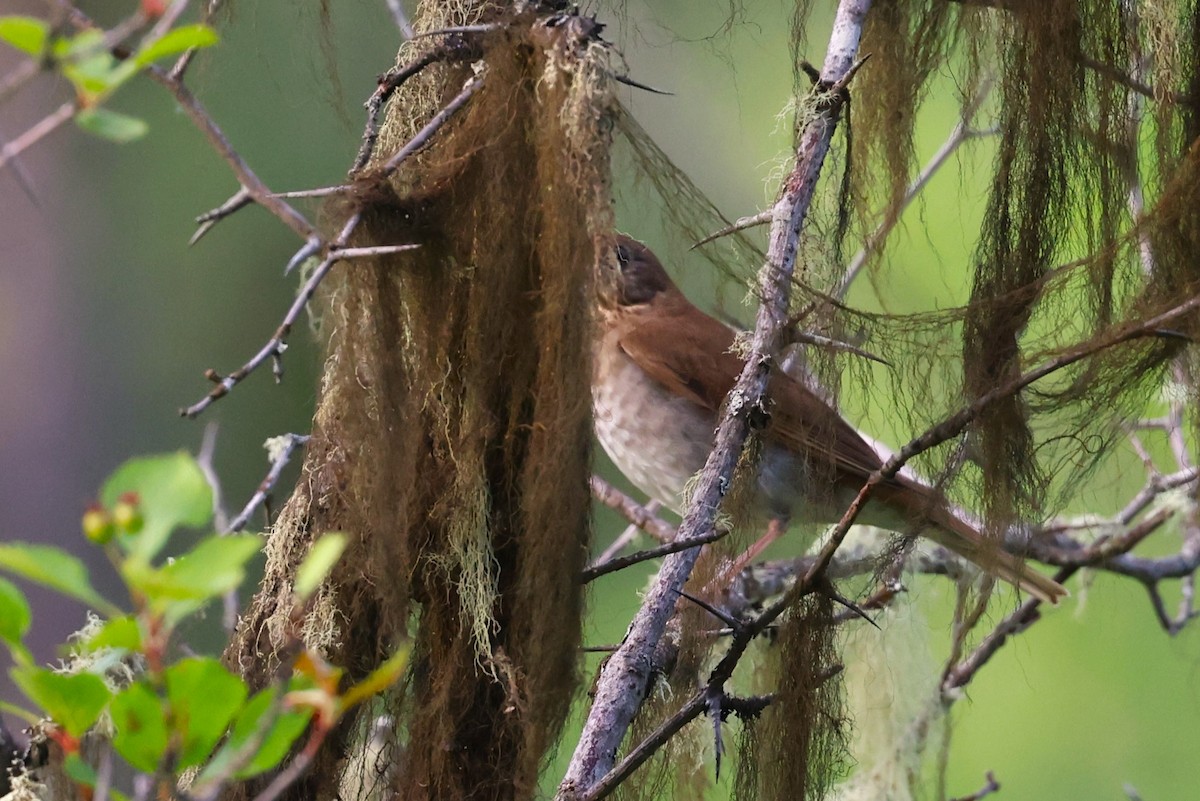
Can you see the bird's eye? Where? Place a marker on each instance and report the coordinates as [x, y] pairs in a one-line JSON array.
[[623, 256]]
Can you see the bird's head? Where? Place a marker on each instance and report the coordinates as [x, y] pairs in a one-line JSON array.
[[636, 275]]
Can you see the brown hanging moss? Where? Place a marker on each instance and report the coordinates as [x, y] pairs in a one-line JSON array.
[[1055, 124], [906, 41], [800, 739], [452, 436]]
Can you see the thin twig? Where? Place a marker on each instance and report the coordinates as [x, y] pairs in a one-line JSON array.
[[237, 201], [279, 460], [38, 131], [296, 768], [423, 136], [641, 516], [400, 18], [273, 349], [259, 191], [1129, 82], [960, 673], [990, 786], [371, 252], [962, 133], [18, 77], [620, 563], [742, 224], [625, 538], [389, 82]]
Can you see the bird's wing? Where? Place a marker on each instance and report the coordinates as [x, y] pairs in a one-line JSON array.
[[690, 353], [687, 352]]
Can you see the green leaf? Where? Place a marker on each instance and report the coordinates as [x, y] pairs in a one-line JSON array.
[[21, 713], [172, 492], [204, 698], [86, 42], [27, 34], [319, 560], [378, 680], [111, 125], [214, 567], [74, 700], [54, 568], [268, 739], [182, 38], [81, 772], [122, 633], [141, 738], [14, 613]]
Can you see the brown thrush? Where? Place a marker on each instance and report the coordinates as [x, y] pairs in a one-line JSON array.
[[662, 371]]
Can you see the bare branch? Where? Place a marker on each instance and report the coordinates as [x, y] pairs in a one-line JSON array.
[[626, 675], [631, 510], [279, 460], [250, 182], [960, 673], [742, 224], [401, 18], [620, 563], [991, 786], [423, 136], [43, 127], [239, 200], [622, 541], [962, 133], [276, 344]]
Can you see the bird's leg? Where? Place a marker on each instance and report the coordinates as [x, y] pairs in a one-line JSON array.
[[775, 529]]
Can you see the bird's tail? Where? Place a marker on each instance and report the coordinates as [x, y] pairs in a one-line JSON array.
[[951, 531]]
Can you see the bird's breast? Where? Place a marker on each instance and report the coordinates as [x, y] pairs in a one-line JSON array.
[[659, 440]]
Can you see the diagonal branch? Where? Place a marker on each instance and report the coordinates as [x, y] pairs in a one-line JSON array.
[[623, 682]]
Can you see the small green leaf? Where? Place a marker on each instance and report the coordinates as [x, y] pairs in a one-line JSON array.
[[14, 613], [79, 771], [56, 569], [253, 732], [172, 492], [19, 712], [74, 701], [111, 125], [121, 633], [141, 738], [182, 38], [319, 560], [204, 698], [214, 567], [84, 43], [378, 680], [27, 34]]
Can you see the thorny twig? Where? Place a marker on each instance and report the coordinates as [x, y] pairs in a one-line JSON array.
[[389, 82], [620, 563], [275, 346], [249, 181], [335, 251]]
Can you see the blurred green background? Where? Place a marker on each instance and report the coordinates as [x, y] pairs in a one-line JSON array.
[[108, 319]]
